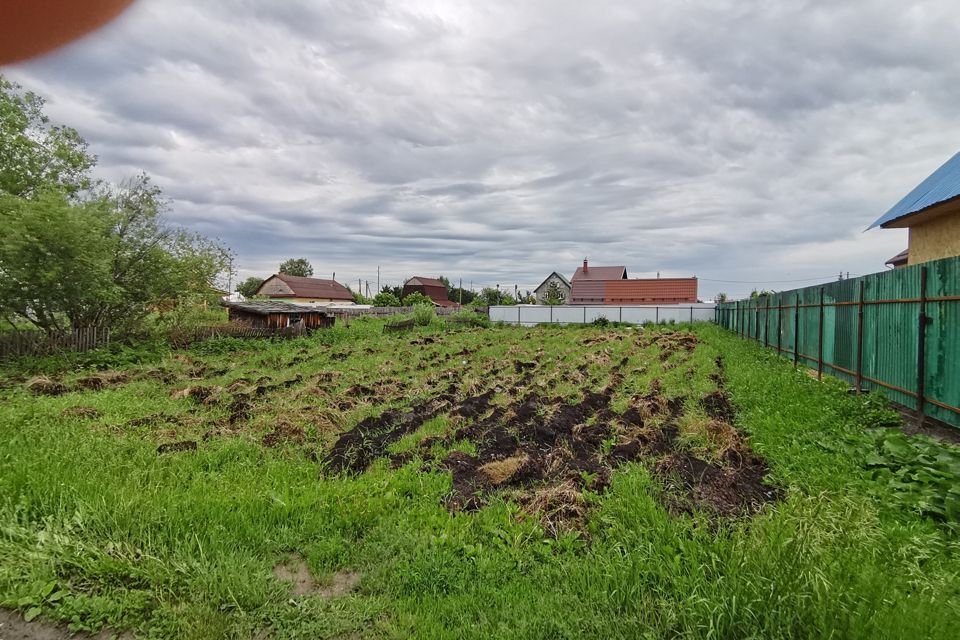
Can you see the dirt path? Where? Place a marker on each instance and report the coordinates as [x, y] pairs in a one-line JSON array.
[[14, 627]]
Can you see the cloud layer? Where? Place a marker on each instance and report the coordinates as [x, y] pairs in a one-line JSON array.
[[500, 141]]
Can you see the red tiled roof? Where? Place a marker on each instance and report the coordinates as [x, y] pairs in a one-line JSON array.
[[651, 291], [636, 291], [599, 273], [310, 288], [588, 291]]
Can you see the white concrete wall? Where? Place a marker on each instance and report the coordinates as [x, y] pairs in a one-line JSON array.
[[530, 315]]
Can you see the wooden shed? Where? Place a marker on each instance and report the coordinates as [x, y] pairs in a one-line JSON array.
[[278, 315]]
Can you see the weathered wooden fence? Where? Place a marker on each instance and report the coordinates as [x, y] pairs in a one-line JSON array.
[[896, 331], [37, 343]]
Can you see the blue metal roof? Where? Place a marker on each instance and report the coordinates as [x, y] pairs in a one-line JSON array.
[[943, 184]]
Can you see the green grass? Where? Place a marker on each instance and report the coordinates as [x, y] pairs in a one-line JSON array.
[[182, 545]]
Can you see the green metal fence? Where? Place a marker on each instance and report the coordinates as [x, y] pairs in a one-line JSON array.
[[896, 331]]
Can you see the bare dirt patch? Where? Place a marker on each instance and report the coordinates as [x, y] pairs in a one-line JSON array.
[[44, 386], [13, 627], [102, 380], [294, 570], [356, 449]]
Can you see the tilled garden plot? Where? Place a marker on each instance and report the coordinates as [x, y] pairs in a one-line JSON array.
[[544, 451]]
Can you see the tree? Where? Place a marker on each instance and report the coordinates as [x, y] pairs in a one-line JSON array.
[[396, 290], [555, 294], [490, 296], [35, 155], [720, 297], [386, 299], [296, 267], [77, 253], [359, 298], [416, 298], [107, 261], [249, 287]]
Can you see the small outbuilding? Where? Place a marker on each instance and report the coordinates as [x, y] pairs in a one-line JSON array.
[[268, 314], [430, 287]]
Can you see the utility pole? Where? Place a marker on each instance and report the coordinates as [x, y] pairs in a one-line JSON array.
[[461, 292], [378, 278], [368, 288]]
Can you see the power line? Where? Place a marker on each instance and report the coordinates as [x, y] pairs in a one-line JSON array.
[[830, 277]]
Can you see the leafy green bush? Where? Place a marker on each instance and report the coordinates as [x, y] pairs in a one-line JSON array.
[[471, 318], [386, 299], [416, 298], [921, 473], [423, 315]]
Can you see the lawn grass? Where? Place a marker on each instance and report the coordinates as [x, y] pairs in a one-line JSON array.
[[98, 530]]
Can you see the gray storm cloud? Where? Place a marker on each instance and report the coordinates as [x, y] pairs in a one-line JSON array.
[[500, 141]]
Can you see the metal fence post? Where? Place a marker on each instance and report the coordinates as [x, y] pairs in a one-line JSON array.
[[859, 380], [766, 322], [922, 347], [796, 331], [820, 340], [551, 314], [779, 323]]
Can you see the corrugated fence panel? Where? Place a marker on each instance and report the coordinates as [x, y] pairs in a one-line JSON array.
[[869, 331], [942, 379]]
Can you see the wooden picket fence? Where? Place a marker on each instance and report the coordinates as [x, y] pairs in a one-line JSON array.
[[36, 343]]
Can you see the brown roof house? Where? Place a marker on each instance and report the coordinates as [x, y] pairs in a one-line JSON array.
[[430, 287], [610, 285], [281, 286]]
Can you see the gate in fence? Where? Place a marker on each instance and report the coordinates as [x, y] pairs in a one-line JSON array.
[[896, 331]]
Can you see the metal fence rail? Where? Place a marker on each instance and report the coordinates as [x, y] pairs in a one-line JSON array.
[[531, 315], [896, 331]]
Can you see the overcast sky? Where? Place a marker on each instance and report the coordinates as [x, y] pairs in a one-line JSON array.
[[503, 140]]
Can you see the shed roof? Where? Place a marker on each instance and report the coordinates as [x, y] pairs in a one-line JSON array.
[[266, 307], [312, 287], [900, 258], [940, 186]]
